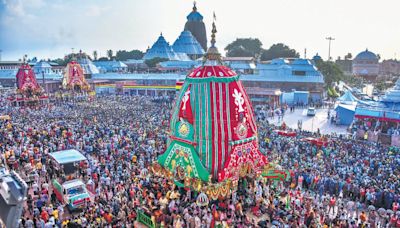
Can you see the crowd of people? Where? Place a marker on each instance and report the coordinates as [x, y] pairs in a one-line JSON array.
[[373, 125], [345, 184]]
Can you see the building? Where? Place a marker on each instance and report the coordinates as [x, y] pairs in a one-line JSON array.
[[382, 116], [10, 65], [151, 84], [346, 65], [366, 65], [136, 65], [243, 65], [178, 66], [186, 43], [9, 69], [197, 27], [389, 67], [88, 67], [162, 49], [42, 67], [111, 66], [316, 58], [288, 75]]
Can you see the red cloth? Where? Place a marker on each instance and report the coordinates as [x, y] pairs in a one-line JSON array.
[[332, 202]]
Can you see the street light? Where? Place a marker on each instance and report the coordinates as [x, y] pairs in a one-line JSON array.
[[329, 50]]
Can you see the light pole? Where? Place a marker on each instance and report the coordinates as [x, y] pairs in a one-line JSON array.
[[329, 50]]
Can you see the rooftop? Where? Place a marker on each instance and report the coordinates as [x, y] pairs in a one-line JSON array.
[[67, 156], [366, 55], [187, 43], [162, 49], [194, 15]]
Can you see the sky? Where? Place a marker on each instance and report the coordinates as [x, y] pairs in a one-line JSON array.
[[51, 28]]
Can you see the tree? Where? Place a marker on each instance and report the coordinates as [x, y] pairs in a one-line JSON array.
[[154, 61], [123, 55], [95, 55], [110, 54], [331, 72], [279, 50], [244, 47], [103, 59]]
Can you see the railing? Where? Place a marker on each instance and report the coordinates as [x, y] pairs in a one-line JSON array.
[[145, 220]]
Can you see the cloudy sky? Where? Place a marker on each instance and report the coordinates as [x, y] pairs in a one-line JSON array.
[[50, 28]]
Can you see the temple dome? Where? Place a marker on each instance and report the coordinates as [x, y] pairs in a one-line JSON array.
[[366, 55], [42, 66], [317, 57], [187, 43], [88, 66], [196, 26], [162, 49], [194, 15]]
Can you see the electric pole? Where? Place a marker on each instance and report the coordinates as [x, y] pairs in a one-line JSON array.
[[329, 50]]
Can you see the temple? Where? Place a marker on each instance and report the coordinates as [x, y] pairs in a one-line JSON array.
[[213, 129], [197, 27], [366, 65], [162, 49], [187, 44]]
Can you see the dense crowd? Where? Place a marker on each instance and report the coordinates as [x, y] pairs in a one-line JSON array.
[[377, 126], [345, 184]]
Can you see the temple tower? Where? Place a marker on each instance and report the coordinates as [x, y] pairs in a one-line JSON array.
[[197, 27]]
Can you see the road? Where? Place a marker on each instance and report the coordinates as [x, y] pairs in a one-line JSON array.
[[320, 120]]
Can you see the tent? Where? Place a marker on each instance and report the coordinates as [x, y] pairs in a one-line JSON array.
[[347, 97], [295, 97], [345, 113]]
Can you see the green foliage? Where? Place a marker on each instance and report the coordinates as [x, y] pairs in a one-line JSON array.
[[123, 55], [153, 62], [103, 59], [331, 72], [95, 55], [332, 92], [353, 81], [110, 54], [60, 61], [244, 47], [279, 51], [382, 85]]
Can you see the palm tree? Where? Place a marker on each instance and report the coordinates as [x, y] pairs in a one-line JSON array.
[[95, 55], [110, 54]]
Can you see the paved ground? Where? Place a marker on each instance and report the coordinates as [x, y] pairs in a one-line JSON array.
[[320, 120]]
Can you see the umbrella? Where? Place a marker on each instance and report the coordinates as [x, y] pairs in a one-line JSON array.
[[371, 208], [389, 211], [202, 200], [381, 211]]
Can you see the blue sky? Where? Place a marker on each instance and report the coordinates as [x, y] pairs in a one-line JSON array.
[[50, 28]]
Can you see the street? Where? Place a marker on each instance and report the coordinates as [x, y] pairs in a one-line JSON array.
[[310, 123]]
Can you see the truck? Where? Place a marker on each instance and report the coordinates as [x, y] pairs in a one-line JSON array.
[[70, 189], [73, 193]]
